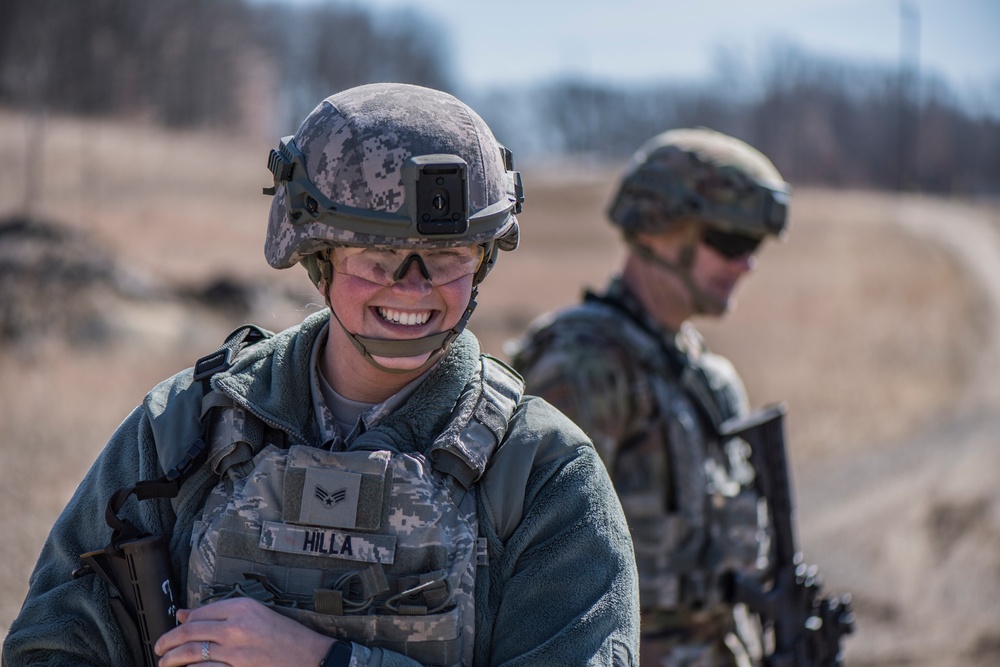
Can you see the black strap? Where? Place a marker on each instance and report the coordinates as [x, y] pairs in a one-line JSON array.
[[169, 485], [222, 359], [164, 487]]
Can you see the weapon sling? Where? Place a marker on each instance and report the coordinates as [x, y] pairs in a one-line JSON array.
[[136, 564]]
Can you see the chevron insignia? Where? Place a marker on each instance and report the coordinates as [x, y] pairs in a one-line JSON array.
[[330, 499]]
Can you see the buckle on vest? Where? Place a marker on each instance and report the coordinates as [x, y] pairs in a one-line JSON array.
[[210, 364]]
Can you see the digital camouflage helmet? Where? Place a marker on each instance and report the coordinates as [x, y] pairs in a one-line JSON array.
[[390, 165], [397, 166], [703, 175]]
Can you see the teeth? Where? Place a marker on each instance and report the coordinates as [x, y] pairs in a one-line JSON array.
[[408, 319]]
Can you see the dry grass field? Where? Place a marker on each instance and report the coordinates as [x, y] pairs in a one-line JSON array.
[[876, 321]]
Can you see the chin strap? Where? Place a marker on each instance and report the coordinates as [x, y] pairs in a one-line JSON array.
[[438, 343], [383, 347], [702, 303]]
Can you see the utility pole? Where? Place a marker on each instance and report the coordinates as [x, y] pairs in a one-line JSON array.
[[908, 100]]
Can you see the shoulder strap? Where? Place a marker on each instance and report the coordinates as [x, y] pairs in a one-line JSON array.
[[222, 359], [691, 374], [480, 425], [645, 342], [192, 458]]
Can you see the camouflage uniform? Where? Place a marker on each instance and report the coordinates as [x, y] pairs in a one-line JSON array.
[[457, 523], [653, 400]]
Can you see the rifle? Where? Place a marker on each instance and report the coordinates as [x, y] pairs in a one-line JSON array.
[[136, 565], [807, 626], [139, 572]]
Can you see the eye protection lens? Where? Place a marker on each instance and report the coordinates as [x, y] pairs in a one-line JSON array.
[[385, 266], [730, 246]]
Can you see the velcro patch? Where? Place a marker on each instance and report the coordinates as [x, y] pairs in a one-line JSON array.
[[330, 498]]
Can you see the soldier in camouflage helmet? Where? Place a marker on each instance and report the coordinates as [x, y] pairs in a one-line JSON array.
[[375, 490], [629, 368]]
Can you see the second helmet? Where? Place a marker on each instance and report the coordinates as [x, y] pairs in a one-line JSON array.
[[703, 175]]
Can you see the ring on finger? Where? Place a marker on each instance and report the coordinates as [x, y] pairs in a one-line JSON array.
[[206, 655]]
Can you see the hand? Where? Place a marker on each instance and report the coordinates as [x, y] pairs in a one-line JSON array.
[[242, 633]]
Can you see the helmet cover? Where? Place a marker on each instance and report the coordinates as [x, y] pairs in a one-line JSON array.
[[375, 164], [704, 175]]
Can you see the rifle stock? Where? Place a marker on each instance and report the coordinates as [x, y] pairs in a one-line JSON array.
[[139, 572], [808, 627]]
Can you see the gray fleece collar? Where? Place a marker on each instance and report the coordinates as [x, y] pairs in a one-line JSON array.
[[415, 425], [271, 379]]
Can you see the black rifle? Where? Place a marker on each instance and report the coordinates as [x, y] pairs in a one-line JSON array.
[[807, 627], [136, 565], [139, 572]]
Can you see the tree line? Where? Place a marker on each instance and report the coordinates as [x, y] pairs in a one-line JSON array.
[[244, 65], [821, 121], [205, 63]]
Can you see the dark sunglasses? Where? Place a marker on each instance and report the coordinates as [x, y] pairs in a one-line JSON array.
[[730, 246]]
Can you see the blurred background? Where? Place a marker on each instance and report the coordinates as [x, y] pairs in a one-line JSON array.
[[885, 93], [133, 145]]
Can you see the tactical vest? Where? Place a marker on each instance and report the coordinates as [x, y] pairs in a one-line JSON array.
[[368, 545], [687, 493]]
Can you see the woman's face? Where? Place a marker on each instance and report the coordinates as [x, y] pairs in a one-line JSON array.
[[396, 295]]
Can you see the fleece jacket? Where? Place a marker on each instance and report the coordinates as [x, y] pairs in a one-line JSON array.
[[560, 587]]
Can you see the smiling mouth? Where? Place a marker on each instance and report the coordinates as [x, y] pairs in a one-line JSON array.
[[410, 319]]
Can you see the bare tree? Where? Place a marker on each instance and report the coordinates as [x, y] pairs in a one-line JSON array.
[[191, 63], [320, 50]]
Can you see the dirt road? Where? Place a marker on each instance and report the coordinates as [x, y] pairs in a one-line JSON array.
[[912, 526]]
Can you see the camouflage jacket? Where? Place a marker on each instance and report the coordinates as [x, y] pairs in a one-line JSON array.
[[564, 555], [651, 400]]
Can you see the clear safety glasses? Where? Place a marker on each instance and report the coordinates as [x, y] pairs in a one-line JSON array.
[[384, 266]]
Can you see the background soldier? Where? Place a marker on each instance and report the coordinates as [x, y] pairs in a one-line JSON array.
[[374, 490], [631, 370]]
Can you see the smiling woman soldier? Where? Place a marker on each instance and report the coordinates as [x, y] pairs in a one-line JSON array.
[[375, 491]]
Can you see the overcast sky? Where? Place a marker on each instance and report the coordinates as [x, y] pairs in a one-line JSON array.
[[511, 41]]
